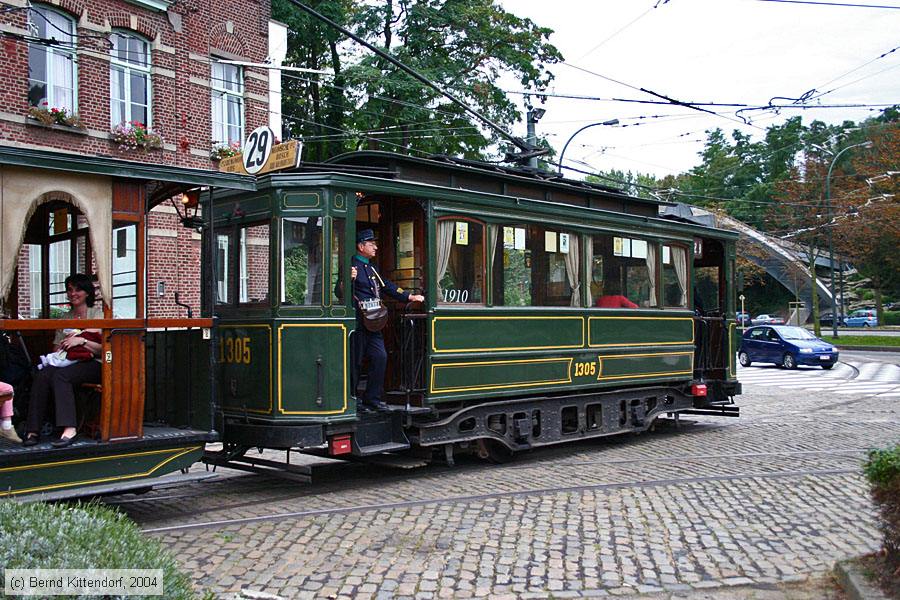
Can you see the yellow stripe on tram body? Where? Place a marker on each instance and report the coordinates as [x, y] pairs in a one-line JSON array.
[[435, 349], [281, 375], [645, 375], [94, 460], [641, 344], [567, 380]]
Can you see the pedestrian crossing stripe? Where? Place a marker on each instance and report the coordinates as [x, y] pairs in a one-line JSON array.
[[878, 379]]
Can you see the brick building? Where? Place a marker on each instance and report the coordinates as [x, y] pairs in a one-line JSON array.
[[76, 76]]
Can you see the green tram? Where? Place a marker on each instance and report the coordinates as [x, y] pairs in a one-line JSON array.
[[514, 348], [520, 342]]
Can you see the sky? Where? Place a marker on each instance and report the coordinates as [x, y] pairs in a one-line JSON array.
[[698, 51]]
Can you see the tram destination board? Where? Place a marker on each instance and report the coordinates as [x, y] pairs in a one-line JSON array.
[[283, 156]]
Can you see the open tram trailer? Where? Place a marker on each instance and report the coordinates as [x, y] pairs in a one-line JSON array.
[[152, 413], [507, 353]]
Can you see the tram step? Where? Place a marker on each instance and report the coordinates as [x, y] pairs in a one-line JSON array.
[[381, 432], [381, 448]]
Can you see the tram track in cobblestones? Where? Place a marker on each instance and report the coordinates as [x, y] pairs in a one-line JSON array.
[[619, 475], [467, 498], [289, 489]]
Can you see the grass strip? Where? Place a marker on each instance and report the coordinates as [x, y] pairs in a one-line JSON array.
[[864, 340]]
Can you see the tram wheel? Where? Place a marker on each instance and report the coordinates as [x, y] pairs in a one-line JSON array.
[[494, 451], [789, 361], [744, 359]]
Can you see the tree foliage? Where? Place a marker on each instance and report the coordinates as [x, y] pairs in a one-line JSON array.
[[462, 45]]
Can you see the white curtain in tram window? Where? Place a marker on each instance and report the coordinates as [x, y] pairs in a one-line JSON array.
[[679, 259], [244, 296], [572, 272], [651, 271], [445, 232], [589, 251], [493, 234]]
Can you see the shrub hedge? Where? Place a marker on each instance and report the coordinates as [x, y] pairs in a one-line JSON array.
[[891, 317], [882, 469], [86, 536]]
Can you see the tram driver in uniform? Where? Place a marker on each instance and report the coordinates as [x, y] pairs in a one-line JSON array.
[[369, 285]]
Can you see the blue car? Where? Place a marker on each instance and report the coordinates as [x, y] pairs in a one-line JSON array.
[[787, 346], [865, 317]]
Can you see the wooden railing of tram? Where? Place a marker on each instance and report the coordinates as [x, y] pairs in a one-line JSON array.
[[123, 382]]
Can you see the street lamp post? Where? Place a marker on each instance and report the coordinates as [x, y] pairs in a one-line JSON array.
[[834, 315], [563, 153]]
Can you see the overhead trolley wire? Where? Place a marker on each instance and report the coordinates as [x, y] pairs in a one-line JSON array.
[[841, 4]]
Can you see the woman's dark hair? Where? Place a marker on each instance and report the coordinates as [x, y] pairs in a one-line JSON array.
[[82, 282]]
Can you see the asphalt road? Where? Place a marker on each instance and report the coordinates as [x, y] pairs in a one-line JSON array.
[[755, 507]]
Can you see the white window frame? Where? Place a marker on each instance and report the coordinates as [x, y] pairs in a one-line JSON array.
[[129, 68], [222, 92], [66, 50]]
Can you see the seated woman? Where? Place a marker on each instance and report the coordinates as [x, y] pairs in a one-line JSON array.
[[612, 298], [61, 381]]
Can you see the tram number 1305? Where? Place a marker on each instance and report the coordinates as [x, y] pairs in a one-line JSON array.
[[585, 369], [234, 350]]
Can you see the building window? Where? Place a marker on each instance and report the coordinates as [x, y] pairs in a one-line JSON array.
[[227, 103], [51, 62], [129, 79]]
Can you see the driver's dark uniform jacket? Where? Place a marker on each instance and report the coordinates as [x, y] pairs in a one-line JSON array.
[[370, 344]]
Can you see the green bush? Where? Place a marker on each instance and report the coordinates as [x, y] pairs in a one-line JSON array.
[[891, 317], [85, 536], [882, 469]]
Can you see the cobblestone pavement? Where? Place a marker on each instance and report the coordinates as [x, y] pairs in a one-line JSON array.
[[756, 507]]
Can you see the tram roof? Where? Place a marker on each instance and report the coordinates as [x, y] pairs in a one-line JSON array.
[[462, 173], [166, 178]]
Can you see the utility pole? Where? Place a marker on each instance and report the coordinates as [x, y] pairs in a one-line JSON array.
[[533, 116]]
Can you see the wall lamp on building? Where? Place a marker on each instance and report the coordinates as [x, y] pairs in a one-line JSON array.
[[186, 207]]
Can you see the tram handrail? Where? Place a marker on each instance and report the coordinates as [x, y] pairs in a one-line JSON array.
[[155, 322]]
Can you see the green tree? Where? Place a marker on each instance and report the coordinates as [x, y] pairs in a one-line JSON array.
[[462, 45]]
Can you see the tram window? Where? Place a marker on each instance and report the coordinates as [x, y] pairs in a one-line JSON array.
[[535, 266], [337, 259], [368, 213], [124, 273], [706, 289], [223, 268], [254, 273], [460, 260], [674, 276], [622, 266], [301, 261], [511, 265]]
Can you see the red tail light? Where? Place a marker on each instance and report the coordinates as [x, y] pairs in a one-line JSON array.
[[698, 390], [339, 444]]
